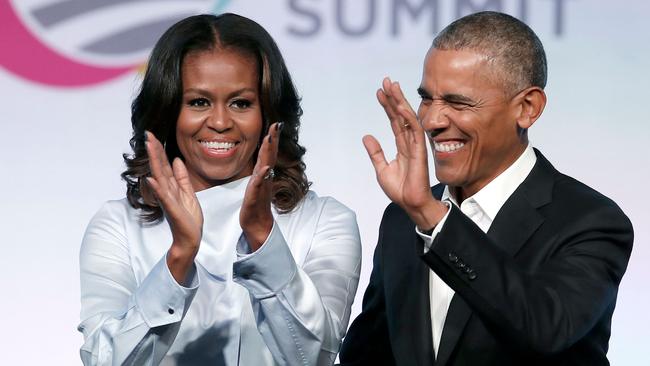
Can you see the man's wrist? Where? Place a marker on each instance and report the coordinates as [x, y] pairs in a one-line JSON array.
[[427, 232], [427, 217]]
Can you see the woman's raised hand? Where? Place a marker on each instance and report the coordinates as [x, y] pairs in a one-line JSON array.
[[171, 186], [255, 217]]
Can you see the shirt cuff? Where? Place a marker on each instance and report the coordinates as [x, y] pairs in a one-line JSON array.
[[428, 239], [160, 299], [268, 270]]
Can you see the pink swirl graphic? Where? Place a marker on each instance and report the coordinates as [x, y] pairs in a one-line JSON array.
[[26, 56]]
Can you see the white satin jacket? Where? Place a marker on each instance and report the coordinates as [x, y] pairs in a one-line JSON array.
[[286, 304]]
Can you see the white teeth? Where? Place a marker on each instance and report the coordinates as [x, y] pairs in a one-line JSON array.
[[218, 145], [447, 146]]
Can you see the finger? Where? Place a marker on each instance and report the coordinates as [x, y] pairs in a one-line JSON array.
[[161, 193], [256, 190], [390, 98], [417, 145], [154, 162], [404, 108], [268, 152], [394, 98], [396, 121], [392, 114], [386, 84], [375, 152], [274, 143], [414, 131], [157, 158], [155, 187], [182, 176], [261, 177]]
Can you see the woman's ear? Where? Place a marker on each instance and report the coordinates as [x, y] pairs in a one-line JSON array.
[[531, 103]]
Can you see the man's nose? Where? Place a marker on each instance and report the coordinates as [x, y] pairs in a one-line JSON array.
[[434, 117]]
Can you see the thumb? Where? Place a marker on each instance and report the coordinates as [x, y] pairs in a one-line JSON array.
[[375, 152]]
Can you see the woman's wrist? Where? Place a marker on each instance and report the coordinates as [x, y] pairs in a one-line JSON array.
[[257, 235], [180, 260]]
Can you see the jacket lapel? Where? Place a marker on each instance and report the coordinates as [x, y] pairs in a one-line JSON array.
[[421, 337], [418, 307], [512, 227], [457, 317], [518, 218]]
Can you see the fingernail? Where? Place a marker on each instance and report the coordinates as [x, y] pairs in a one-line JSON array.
[[280, 126], [270, 138], [145, 136]]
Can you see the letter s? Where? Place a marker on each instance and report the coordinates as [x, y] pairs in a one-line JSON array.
[[307, 13]]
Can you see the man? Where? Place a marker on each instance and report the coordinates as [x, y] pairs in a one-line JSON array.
[[507, 261]]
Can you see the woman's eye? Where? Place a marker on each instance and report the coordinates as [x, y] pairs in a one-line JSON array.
[[240, 103], [199, 102]]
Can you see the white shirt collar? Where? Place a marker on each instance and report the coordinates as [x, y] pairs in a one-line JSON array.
[[491, 197]]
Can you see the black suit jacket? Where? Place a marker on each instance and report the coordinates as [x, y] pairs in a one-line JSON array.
[[538, 289]]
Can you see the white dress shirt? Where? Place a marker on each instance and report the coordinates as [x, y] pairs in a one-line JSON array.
[[481, 208], [286, 304]]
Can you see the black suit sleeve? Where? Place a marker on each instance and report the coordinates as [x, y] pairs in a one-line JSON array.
[[367, 341], [554, 291]]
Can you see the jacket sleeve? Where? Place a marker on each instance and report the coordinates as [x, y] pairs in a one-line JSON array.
[[302, 312], [123, 323], [550, 303]]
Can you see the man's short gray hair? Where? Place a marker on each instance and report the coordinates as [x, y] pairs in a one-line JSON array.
[[513, 47]]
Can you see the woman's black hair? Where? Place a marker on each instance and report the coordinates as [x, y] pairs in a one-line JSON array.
[[157, 106]]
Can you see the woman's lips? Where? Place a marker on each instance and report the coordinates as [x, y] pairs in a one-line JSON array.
[[219, 149]]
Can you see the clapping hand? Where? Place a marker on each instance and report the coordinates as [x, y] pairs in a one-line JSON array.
[[405, 179], [255, 217], [171, 186]]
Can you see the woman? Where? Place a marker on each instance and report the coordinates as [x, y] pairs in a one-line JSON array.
[[219, 254]]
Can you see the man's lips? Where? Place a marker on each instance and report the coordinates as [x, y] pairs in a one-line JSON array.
[[448, 146]]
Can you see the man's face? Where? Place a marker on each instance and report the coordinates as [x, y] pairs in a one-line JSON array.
[[470, 120]]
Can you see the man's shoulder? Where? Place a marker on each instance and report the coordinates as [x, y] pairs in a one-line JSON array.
[[576, 197], [573, 200]]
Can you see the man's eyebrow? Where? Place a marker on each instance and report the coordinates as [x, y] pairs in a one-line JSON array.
[[423, 93], [458, 98]]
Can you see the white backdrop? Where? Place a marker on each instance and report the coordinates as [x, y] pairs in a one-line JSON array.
[[61, 145]]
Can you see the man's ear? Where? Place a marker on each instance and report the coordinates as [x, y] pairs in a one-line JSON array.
[[531, 102]]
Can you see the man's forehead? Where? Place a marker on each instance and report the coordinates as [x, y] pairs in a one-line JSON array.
[[458, 59], [459, 68]]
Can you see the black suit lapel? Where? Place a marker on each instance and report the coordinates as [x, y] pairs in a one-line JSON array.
[[518, 218], [512, 227], [417, 309], [514, 224], [421, 337], [457, 317]]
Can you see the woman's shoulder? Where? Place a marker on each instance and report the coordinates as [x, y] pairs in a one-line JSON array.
[[317, 214], [114, 209], [112, 217], [314, 204], [316, 223]]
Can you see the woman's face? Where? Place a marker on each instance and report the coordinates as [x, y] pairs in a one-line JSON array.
[[220, 120]]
